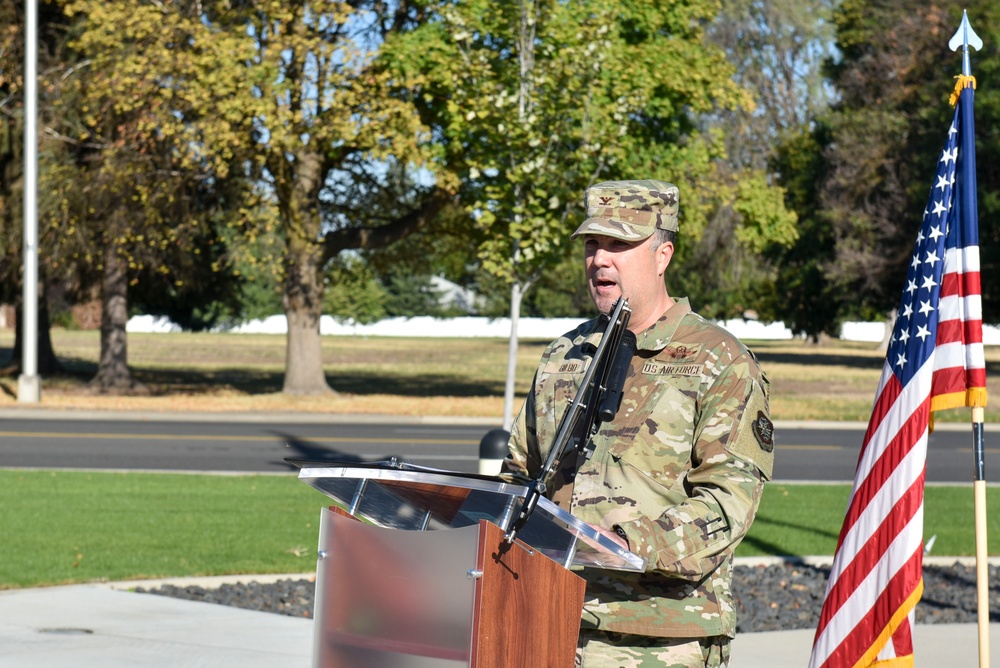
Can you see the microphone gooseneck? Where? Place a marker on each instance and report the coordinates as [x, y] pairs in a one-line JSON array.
[[620, 363]]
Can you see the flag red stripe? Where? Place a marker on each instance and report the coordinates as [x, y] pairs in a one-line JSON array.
[[960, 331], [883, 404], [882, 468], [961, 283], [902, 639], [957, 379]]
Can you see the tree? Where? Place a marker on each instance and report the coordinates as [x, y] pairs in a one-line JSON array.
[[139, 191], [894, 80], [353, 292], [779, 49], [800, 293], [51, 41], [537, 100], [289, 92]]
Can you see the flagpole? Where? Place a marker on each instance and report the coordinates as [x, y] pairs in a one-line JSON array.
[[982, 555], [964, 37]]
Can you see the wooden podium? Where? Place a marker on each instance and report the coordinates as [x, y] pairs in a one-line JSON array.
[[425, 579]]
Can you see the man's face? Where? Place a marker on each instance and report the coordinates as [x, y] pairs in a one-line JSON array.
[[634, 269]]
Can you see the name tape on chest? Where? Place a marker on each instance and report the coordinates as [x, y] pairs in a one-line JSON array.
[[650, 368], [671, 369], [575, 366]]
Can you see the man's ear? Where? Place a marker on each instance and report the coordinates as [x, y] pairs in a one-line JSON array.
[[664, 253]]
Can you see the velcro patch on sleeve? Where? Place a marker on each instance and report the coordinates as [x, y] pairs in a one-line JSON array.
[[755, 438]]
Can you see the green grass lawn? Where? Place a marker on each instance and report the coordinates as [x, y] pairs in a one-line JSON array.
[[805, 520], [68, 526], [63, 526]]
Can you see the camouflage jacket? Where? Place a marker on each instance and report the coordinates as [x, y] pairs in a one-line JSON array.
[[680, 470]]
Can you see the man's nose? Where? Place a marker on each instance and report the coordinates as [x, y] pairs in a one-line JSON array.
[[602, 258]]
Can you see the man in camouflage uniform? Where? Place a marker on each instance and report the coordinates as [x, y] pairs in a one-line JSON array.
[[677, 475]]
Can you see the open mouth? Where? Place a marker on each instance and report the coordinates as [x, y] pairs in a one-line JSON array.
[[604, 284]]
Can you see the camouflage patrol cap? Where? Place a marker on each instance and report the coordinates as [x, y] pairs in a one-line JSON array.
[[630, 210]]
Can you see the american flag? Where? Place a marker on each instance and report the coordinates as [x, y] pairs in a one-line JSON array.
[[935, 361]]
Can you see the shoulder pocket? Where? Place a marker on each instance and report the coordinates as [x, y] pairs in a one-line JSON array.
[[755, 439]]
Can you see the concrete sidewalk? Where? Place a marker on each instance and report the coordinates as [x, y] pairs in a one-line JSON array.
[[97, 626], [106, 626], [935, 645]]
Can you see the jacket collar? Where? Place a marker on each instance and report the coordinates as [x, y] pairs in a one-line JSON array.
[[659, 334]]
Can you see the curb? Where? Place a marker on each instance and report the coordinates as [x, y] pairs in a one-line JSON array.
[[820, 561], [296, 417], [206, 581], [284, 417]]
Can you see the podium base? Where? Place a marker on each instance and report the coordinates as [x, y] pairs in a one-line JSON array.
[[387, 598]]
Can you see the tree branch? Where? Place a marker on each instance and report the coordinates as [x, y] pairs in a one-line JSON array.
[[370, 238]]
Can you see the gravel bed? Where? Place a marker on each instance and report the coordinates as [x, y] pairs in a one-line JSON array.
[[772, 598], [768, 598]]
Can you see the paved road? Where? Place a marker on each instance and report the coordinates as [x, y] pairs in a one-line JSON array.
[[232, 443], [829, 452], [826, 452]]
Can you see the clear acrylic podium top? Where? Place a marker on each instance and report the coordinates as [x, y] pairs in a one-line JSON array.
[[398, 495]]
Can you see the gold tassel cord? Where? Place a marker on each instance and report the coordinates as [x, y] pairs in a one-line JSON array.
[[962, 83]]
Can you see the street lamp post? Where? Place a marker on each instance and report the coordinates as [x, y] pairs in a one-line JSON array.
[[28, 383]]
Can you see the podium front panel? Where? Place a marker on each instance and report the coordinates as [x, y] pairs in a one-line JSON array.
[[418, 499], [393, 599]]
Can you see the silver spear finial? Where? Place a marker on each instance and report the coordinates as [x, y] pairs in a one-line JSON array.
[[965, 37]]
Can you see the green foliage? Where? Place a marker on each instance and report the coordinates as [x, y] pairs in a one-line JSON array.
[[53, 60], [411, 295], [283, 99], [894, 79], [766, 221], [254, 250], [259, 299], [231, 151], [353, 292], [538, 100], [777, 49], [561, 292], [801, 294]]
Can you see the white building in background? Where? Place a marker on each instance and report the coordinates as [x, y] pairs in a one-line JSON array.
[[528, 328], [454, 295]]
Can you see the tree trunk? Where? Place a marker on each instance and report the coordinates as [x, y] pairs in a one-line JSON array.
[[48, 363], [516, 295], [113, 375], [303, 304], [298, 185]]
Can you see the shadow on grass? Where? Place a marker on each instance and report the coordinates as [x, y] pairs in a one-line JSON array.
[[768, 547], [818, 359], [166, 382], [821, 359]]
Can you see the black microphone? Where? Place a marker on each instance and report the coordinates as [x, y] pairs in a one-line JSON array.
[[612, 398]]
